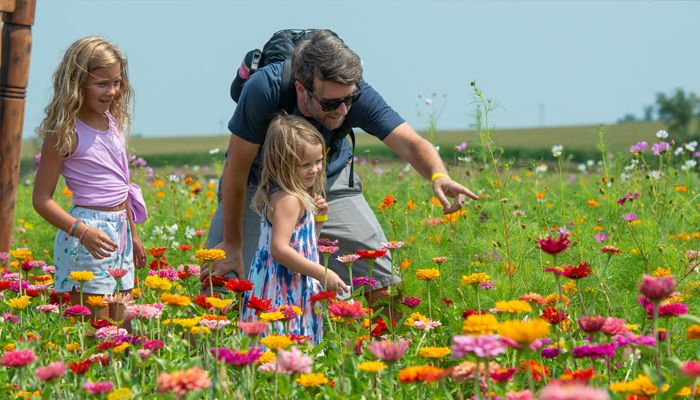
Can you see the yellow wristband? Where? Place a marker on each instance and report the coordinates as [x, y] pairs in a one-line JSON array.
[[438, 175], [321, 218]]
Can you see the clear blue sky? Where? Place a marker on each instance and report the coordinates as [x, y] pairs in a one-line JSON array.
[[556, 63]]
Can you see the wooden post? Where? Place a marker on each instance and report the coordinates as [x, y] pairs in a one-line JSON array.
[[17, 17]]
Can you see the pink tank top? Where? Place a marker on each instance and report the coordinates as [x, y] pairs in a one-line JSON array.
[[98, 173]]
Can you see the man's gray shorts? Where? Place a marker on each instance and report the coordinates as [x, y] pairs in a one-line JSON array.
[[351, 221]]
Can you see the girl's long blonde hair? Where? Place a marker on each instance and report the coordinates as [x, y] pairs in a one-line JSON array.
[[83, 57], [286, 137]]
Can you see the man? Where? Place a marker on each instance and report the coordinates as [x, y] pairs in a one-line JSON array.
[[331, 94]]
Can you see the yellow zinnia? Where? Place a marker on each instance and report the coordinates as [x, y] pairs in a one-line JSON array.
[[219, 303], [96, 301], [513, 306], [525, 332], [311, 380], [372, 367], [271, 316], [186, 323], [276, 342], [82, 276], [157, 283], [120, 347], [475, 279], [21, 254], [428, 274], [175, 299], [196, 330], [416, 316], [206, 255], [434, 352], [267, 357], [19, 303], [120, 394], [480, 324], [640, 386]]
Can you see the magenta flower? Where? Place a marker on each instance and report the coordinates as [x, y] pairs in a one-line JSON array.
[[3, 256], [17, 358], [573, 390], [77, 310], [253, 328], [660, 148], [411, 302], [389, 351], [326, 242], [237, 358], [614, 326], [591, 323], [487, 285], [362, 281], [629, 217], [484, 346], [292, 362], [691, 369], [630, 339], [461, 147], [601, 237], [657, 289], [152, 344], [347, 310], [98, 387], [639, 147], [602, 351], [668, 310], [50, 372], [552, 245], [629, 196], [550, 352]]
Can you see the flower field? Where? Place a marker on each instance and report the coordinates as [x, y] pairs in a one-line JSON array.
[[563, 281]]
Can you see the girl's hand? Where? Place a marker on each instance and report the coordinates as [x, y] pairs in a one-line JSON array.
[[335, 284], [321, 205], [139, 252], [97, 243]]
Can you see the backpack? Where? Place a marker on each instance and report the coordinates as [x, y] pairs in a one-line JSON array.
[[281, 47]]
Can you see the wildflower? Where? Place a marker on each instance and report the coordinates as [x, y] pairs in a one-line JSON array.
[[484, 346], [592, 203], [513, 306], [18, 303], [237, 358], [532, 298], [372, 367], [610, 250], [428, 274], [343, 309], [660, 148], [120, 394], [475, 279], [480, 324], [210, 255], [175, 299], [182, 382], [82, 276], [293, 362], [657, 289], [524, 332], [387, 202], [239, 285], [98, 387], [425, 373], [577, 271], [276, 342], [411, 302], [556, 150], [17, 358], [591, 324], [371, 254], [693, 332], [552, 245], [629, 217], [312, 380], [389, 351], [434, 352], [50, 372], [601, 237], [572, 391], [554, 316], [602, 351], [77, 310]]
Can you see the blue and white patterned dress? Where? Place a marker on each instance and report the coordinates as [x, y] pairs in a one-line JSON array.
[[284, 286]]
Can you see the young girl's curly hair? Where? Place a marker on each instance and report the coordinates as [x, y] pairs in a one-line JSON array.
[[83, 57]]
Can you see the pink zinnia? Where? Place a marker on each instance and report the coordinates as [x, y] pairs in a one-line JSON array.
[[182, 382], [98, 387], [411, 302], [253, 328], [614, 326], [17, 358], [691, 369], [572, 391], [327, 249], [348, 258], [77, 310], [237, 358], [47, 308], [347, 310], [144, 311], [293, 362], [521, 395], [50, 372], [117, 273], [389, 351], [390, 245], [552, 245], [484, 346], [591, 323], [657, 289]]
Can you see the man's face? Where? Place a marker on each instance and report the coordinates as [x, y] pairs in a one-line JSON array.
[[326, 94]]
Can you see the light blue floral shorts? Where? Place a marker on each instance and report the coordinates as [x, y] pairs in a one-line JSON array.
[[70, 255]]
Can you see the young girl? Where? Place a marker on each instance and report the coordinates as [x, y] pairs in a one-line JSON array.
[[83, 141], [285, 267]]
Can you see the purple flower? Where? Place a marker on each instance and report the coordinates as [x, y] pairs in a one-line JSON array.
[[237, 358], [639, 147], [363, 280], [605, 350], [660, 148], [550, 352], [630, 339], [601, 237], [411, 302], [461, 147], [486, 285], [629, 217], [629, 196]]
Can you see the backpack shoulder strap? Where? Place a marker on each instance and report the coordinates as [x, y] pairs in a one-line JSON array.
[[287, 93]]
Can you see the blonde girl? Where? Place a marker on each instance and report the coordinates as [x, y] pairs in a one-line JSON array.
[[84, 141], [289, 199]]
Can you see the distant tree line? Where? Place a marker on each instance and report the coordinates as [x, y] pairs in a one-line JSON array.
[[679, 110]]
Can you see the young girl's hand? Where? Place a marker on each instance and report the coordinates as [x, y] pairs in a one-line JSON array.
[[335, 284], [139, 252], [97, 242], [321, 205]]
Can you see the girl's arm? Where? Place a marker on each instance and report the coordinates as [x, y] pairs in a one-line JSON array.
[[286, 212], [321, 213], [94, 240], [139, 251]]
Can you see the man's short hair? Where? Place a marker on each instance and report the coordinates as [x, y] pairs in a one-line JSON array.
[[324, 56]]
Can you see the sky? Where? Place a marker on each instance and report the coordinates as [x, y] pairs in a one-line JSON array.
[[542, 63]]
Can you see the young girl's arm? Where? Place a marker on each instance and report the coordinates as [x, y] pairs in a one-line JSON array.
[[139, 252], [321, 213], [93, 239], [286, 212]]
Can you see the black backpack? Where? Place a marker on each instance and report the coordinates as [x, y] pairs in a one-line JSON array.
[[280, 47]]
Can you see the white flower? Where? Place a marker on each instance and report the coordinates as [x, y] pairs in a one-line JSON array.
[[428, 102], [172, 230], [214, 151], [624, 177], [691, 146], [557, 149], [189, 232], [174, 178], [590, 163], [689, 164], [582, 167], [662, 134], [541, 168], [655, 174], [678, 151]]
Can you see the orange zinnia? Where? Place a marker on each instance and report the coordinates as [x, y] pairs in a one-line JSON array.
[[426, 373], [157, 252]]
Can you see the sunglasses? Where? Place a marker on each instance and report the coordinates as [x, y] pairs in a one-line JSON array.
[[333, 104]]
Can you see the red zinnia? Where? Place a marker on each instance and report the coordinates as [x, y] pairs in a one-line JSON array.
[[322, 296], [158, 263], [100, 323], [157, 252], [372, 254], [259, 304], [577, 271], [554, 245], [201, 300], [554, 316], [184, 247], [467, 312], [80, 367], [218, 281], [239, 285]]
